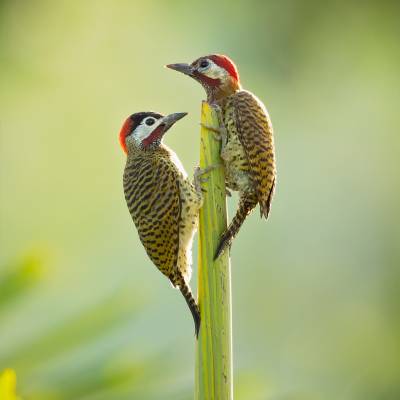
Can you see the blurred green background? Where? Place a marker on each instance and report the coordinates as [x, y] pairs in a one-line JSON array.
[[83, 312]]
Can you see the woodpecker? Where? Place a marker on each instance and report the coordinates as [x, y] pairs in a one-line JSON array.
[[247, 138], [163, 203]]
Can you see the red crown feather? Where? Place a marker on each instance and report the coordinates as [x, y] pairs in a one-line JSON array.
[[226, 63], [125, 130]]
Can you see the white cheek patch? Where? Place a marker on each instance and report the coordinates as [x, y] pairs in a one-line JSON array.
[[214, 71], [143, 131]]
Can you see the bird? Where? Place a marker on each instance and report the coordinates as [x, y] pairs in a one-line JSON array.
[[164, 204], [246, 133]]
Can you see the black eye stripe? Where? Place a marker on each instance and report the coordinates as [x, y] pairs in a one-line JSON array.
[[138, 118]]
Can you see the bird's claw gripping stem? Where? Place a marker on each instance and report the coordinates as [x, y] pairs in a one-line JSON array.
[[218, 133], [197, 176], [211, 128]]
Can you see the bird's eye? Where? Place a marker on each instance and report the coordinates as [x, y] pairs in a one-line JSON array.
[[204, 64], [150, 121]]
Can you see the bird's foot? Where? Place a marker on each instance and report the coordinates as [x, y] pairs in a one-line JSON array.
[[218, 110], [221, 131], [198, 178], [218, 133]]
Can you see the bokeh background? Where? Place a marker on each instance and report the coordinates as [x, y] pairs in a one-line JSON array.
[[84, 315]]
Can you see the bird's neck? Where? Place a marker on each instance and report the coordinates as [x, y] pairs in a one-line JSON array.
[[149, 152], [217, 93]]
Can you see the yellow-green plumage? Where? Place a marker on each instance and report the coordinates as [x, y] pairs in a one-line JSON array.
[[249, 157], [247, 138], [249, 151], [164, 206]]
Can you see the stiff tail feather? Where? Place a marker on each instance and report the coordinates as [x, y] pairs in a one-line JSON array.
[[246, 205], [265, 205], [191, 302]]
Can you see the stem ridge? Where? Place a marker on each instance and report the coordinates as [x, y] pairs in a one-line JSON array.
[[213, 376]]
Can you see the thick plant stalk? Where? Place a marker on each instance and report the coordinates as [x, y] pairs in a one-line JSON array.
[[213, 380]]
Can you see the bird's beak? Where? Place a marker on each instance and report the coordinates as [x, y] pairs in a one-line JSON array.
[[184, 68], [170, 120], [165, 123]]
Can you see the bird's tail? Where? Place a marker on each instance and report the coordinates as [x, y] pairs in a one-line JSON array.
[[246, 205], [191, 302], [265, 205]]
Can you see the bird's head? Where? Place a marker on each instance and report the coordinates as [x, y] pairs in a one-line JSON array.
[[217, 74], [145, 130]]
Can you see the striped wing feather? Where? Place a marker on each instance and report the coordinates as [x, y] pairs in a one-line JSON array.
[[152, 194], [255, 133]]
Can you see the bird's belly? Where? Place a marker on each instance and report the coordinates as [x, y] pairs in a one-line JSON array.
[[237, 180], [237, 169], [191, 203], [189, 223]]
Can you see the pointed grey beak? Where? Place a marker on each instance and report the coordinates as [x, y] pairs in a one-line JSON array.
[[170, 119], [184, 68]]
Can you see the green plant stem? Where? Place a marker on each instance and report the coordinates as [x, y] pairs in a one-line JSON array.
[[213, 379]]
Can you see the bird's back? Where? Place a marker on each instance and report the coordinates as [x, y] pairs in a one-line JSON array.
[[152, 194], [249, 154]]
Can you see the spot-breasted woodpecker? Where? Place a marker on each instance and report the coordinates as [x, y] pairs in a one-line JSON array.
[[246, 132], [163, 203]]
